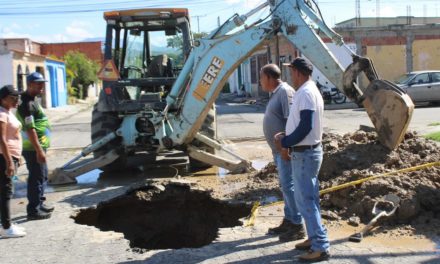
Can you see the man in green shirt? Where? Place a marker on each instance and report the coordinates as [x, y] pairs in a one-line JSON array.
[[36, 140]]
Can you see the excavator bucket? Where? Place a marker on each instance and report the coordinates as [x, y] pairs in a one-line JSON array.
[[389, 107]]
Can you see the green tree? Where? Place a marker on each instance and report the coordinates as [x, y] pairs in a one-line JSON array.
[[176, 42], [81, 72]]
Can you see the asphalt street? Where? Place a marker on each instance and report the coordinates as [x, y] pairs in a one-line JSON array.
[[60, 240], [238, 120]]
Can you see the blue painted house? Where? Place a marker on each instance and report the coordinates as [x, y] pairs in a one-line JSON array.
[[56, 76]]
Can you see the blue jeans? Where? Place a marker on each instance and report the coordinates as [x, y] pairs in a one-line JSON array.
[[287, 187], [305, 167], [37, 181]]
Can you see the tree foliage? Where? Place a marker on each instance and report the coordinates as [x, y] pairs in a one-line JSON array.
[[81, 72], [176, 42]]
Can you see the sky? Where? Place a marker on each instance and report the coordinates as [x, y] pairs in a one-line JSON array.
[[70, 21]]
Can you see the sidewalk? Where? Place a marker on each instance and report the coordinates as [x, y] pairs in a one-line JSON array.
[[262, 101], [64, 112]]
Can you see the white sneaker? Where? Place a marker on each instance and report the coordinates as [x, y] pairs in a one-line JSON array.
[[11, 232], [19, 227]]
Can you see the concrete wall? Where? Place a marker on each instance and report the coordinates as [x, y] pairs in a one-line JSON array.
[[6, 73], [20, 44], [26, 60], [389, 60], [426, 54], [31, 61]]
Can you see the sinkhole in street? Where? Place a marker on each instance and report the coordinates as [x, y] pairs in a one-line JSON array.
[[168, 216]]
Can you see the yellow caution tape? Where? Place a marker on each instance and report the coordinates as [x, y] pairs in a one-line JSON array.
[[253, 214], [256, 205], [353, 183]]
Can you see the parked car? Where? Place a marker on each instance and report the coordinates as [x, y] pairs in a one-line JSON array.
[[421, 86]]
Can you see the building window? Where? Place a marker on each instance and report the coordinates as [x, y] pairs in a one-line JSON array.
[[19, 78], [39, 69], [254, 77]]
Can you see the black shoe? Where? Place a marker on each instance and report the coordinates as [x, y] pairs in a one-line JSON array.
[[283, 227], [314, 256], [296, 232], [47, 208], [38, 215]]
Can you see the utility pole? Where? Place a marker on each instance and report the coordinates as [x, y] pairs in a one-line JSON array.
[[377, 13], [198, 22], [358, 13]]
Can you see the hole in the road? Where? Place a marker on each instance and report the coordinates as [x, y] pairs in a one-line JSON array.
[[173, 217]]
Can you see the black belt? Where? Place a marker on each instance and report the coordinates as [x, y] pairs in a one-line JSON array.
[[303, 148]]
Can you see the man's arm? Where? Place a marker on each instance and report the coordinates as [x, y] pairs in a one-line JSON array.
[[285, 106], [304, 127], [33, 138]]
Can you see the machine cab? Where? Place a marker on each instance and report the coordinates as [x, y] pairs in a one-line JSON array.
[[144, 52]]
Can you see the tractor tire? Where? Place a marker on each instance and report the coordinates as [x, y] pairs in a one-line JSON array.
[[103, 123], [209, 129]]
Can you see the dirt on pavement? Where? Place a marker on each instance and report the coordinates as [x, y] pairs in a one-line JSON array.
[[356, 156], [347, 158]]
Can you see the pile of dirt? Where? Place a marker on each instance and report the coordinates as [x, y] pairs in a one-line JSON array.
[[359, 155]]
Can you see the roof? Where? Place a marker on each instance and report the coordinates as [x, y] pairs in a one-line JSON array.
[[22, 39], [37, 55], [148, 12], [385, 21]]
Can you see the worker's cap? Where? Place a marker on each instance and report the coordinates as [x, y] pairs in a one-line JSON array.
[[301, 64], [8, 90], [35, 77]]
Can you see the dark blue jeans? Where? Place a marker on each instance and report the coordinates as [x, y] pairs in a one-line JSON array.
[[37, 181]]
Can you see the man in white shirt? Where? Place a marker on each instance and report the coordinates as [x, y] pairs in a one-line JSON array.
[[303, 138]]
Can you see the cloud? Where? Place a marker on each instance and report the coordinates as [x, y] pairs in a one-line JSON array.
[[388, 11], [78, 30], [247, 4], [75, 30], [11, 32]]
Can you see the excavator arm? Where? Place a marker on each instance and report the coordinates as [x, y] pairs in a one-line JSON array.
[[214, 58]]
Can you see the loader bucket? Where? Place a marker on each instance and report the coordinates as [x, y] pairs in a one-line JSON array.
[[389, 107]]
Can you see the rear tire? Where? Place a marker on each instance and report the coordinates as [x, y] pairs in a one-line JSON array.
[[104, 123]]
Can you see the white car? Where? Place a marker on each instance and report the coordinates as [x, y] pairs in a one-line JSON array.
[[421, 86]]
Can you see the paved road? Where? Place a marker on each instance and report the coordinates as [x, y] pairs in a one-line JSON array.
[[60, 240], [245, 121]]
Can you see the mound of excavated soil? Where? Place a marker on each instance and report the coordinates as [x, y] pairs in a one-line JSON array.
[[359, 155]]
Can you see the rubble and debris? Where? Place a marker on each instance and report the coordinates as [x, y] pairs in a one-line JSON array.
[[354, 221], [358, 155]]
